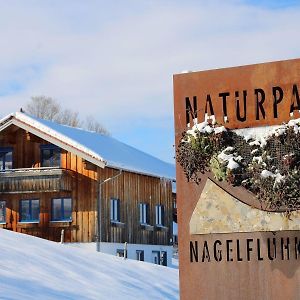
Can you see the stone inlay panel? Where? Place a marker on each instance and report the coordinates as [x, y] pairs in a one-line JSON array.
[[219, 212]]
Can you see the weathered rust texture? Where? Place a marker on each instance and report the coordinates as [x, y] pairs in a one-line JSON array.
[[233, 280], [264, 76]]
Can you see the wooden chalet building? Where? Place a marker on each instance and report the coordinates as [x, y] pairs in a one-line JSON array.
[[53, 177]]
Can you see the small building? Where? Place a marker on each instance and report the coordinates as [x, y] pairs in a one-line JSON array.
[[55, 178]]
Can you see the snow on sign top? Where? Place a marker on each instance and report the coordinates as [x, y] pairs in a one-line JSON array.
[[101, 148]]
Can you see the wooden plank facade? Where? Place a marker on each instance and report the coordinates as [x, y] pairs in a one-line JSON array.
[[79, 180]]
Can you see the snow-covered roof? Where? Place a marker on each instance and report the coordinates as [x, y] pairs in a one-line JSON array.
[[99, 149]]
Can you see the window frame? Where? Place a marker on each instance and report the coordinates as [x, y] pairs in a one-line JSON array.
[[115, 210], [31, 220], [156, 257], [163, 258], [120, 253], [159, 215], [52, 148], [140, 255], [144, 213], [4, 211], [62, 210], [3, 161]]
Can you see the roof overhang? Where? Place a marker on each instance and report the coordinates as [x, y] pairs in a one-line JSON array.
[[55, 139]]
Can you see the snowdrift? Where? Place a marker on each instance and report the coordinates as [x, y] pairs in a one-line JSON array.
[[33, 268]]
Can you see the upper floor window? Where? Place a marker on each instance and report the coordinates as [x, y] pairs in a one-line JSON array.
[[159, 215], [115, 210], [144, 213], [30, 210], [50, 156], [61, 209], [2, 211], [5, 158]]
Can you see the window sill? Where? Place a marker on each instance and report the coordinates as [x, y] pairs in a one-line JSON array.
[[60, 223], [117, 224], [28, 224], [161, 228], [146, 227]]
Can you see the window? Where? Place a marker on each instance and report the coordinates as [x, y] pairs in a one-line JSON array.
[[156, 257], [2, 212], [30, 210], [163, 258], [159, 215], [140, 255], [159, 258], [61, 209], [5, 158], [50, 156], [144, 213], [120, 252], [115, 210]]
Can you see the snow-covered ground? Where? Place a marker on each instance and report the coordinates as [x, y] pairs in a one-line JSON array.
[[32, 268]]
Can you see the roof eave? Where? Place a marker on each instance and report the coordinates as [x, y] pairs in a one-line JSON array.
[[11, 120], [140, 172]]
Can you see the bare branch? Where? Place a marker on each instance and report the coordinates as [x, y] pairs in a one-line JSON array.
[[43, 107], [93, 125], [68, 117], [49, 109]]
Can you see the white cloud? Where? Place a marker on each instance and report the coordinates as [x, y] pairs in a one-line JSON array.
[[116, 61]]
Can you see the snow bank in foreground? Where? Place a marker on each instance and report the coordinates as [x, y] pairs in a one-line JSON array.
[[32, 268]]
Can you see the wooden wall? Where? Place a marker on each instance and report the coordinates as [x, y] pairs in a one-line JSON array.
[[133, 189], [130, 188]]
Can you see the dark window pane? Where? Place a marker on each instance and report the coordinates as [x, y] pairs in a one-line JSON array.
[[147, 213], [56, 209], [159, 215], [30, 210], [112, 209], [116, 210], [50, 155], [62, 209], [140, 255], [8, 156], [8, 165], [5, 159], [46, 163], [141, 213], [8, 160], [67, 208], [155, 257], [56, 158], [2, 212], [35, 209], [45, 153], [164, 260], [162, 215], [120, 252], [25, 213]]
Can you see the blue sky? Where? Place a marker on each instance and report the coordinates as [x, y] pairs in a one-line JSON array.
[[115, 59], [274, 3]]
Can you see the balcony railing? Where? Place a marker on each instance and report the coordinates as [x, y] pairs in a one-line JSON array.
[[31, 180]]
